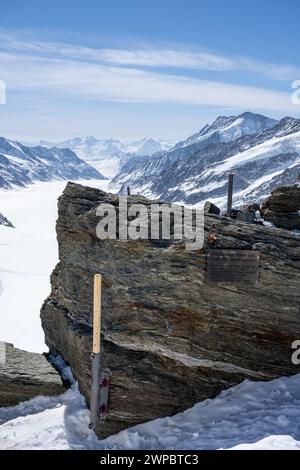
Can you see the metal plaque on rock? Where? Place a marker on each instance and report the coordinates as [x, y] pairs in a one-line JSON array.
[[233, 266]]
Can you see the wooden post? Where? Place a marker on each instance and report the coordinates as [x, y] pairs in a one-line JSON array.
[[96, 359], [97, 314]]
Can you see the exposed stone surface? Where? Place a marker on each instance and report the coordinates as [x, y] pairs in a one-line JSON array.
[[24, 375], [169, 338], [210, 208], [283, 207], [246, 216], [252, 207], [5, 221]]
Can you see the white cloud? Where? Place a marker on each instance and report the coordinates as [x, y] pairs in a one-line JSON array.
[[103, 82], [155, 57], [2, 92], [50, 86], [167, 58], [193, 60]]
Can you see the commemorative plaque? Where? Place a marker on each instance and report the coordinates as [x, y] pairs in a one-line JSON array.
[[232, 266]]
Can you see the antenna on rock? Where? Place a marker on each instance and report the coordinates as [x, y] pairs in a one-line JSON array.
[[230, 193]]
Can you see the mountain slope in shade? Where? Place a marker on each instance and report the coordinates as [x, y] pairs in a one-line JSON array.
[[264, 154], [21, 165], [109, 155]]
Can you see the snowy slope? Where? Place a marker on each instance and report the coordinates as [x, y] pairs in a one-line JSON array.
[[261, 415], [228, 128], [21, 165], [263, 153], [108, 155]]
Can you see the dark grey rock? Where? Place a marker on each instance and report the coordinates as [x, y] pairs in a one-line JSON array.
[[4, 221], [246, 216], [254, 207], [210, 208], [169, 338], [283, 207], [24, 375]]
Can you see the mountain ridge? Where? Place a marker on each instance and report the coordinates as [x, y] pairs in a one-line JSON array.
[[21, 165], [108, 155], [196, 169]]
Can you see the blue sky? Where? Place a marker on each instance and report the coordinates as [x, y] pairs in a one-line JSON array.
[[134, 68]]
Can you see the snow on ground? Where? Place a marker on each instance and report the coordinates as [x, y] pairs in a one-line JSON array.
[[261, 415], [248, 416], [271, 443], [28, 255]]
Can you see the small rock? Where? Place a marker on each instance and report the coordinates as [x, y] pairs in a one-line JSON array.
[[282, 207], [252, 207], [4, 221], [210, 208], [24, 375]]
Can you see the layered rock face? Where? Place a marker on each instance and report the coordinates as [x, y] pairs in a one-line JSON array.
[[24, 375], [169, 338], [283, 207]]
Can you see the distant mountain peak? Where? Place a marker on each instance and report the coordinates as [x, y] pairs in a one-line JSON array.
[[90, 140], [251, 115], [228, 128]]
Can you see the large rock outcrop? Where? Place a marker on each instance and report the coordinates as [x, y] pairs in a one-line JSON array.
[[169, 338], [283, 207], [24, 375]]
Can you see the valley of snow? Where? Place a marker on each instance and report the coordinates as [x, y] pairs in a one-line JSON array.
[[108, 155], [28, 254]]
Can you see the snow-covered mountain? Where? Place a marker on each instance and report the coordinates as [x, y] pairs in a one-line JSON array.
[[228, 128], [264, 153], [21, 165], [108, 155]]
